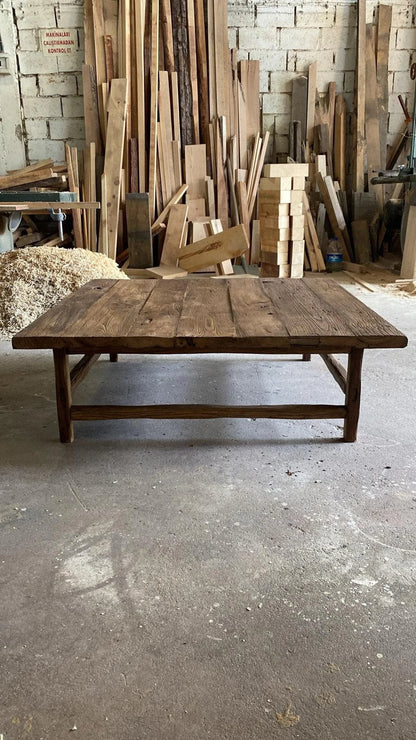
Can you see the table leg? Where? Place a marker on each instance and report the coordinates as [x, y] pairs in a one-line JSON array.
[[353, 394], [113, 357], [63, 395]]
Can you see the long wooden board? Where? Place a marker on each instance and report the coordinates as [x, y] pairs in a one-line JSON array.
[[138, 230], [114, 159]]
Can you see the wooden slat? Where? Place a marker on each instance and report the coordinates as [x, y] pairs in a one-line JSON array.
[[383, 44], [140, 134], [114, 159], [360, 86], [310, 117], [73, 179], [163, 216], [372, 123], [154, 68], [193, 73], [201, 47], [166, 23], [174, 235], [340, 134]]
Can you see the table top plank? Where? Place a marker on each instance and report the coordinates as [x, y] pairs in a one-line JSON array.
[[362, 321], [115, 314], [301, 311], [253, 310], [210, 315], [206, 311], [160, 314], [54, 322]]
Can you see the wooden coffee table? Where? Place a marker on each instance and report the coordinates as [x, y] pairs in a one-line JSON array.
[[196, 316]]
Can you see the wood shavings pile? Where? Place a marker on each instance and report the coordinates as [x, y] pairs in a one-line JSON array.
[[35, 278]]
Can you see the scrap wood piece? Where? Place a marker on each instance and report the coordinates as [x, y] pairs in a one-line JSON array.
[[174, 235], [139, 237], [114, 159], [158, 225], [256, 181], [218, 248], [310, 224], [334, 212], [223, 268], [73, 184], [140, 134], [41, 165], [340, 134], [310, 113], [10, 181], [166, 272]]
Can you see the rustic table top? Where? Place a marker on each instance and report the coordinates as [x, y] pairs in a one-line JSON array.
[[206, 315]]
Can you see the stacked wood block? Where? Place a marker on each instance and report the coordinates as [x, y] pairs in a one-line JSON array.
[[282, 222]]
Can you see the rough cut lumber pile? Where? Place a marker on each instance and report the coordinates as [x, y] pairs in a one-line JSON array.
[[45, 176], [171, 114], [340, 163]]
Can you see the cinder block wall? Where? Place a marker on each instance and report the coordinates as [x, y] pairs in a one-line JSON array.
[[285, 35], [51, 86]]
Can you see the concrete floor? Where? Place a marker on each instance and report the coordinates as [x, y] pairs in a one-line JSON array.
[[215, 579]]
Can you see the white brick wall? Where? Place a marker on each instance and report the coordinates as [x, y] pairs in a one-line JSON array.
[[286, 36], [49, 86]]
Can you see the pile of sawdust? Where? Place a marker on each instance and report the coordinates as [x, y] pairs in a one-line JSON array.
[[34, 278]]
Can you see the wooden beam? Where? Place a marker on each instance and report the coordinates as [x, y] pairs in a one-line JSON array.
[[383, 45], [201, 411], [360, 85], [310, 118], [154, 76], [337, 371], [372, 124]]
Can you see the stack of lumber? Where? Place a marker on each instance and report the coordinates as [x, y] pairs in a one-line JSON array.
[[174, 119], [44, 174], [22, 186], [319, 136], [282, 221]]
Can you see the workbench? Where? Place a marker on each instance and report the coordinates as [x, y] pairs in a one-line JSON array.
[[196, 316]]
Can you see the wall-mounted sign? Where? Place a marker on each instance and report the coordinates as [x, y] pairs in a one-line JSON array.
[[58, 41]]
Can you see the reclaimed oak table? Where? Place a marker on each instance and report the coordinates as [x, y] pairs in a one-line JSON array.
[[193, 316]]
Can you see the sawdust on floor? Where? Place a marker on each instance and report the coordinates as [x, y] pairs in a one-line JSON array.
[[34, 278]]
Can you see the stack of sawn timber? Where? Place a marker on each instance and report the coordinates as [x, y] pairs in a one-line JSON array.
[[344, 201], [174, 120]]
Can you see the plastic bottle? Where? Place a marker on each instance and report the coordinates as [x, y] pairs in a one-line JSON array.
[[334, 256]]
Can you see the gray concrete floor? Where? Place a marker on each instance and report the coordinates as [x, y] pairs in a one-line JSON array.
[[192, 580]]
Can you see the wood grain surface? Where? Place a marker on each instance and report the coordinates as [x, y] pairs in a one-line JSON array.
[[185, 315]]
